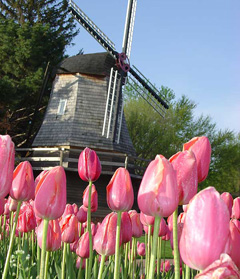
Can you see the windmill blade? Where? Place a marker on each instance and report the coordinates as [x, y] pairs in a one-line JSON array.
[[139, 78], [112, 116], [147, 91], [92, 28], [129, 25]]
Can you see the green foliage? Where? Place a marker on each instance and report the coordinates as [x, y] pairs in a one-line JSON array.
[[32, 33], [151, 134]]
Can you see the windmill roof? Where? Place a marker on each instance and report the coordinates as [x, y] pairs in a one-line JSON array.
[[93, 64]]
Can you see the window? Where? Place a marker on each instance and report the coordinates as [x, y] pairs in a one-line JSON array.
[[62, 106]]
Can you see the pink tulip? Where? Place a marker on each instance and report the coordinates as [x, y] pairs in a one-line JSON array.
[[53, 235], [50, 199], [126, 227], [185, 164], [181, 217], [234, 243], [74, 245], [170, 222], [6, 210], [2, 203], [166, 266], [83, 246], [223, 268], [80, 261], [26, 220], [228, 199], [158, 192], [23, 188], [141, 249], [205, 229], [38, 178], [81, 215], [12, 204], [185, 207], [105, 238], [69, 228], [146, 220], [89, 166], [68, 210], [162, 228], [201, 147], [167, 236], [137, 227], [120, 195], [236, 208], [7, 157], [94, 198], [75, 209]]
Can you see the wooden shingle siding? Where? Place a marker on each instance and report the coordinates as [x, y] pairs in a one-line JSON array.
[[81, 124]]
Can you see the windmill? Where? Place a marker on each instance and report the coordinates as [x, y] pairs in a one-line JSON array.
[[114, 103], [86, 109]]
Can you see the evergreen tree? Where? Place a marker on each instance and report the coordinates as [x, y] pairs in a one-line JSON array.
[[32, 35]]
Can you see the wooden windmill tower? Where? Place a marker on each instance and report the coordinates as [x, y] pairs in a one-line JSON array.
[[86, 104]]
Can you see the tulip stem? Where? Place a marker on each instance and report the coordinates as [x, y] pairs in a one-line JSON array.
[[44, 244], [117, 248], [89, 231], [159, 255], [154, 247], [101, 266], [7, 262], [149, 247], [64, 259], [175, 245], [46, 264], [187, 272]]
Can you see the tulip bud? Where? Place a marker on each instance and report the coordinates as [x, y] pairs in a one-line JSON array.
[[75, 209], [120, 194], [50, 199], [228, 199], [137, 227], [167, 236], [12, 204], [234, 244], [126, 227], [82, 215], [53, 235], [2, 203], [89, 166], [26, 220], [141, 249], [146, 220], [201, 148], [69, 228], [38, 178], [158, 192], [222, 268], [81, 262], [165, 266], [94, 198], [162, 228], [207, 216], [105, 238], [236, 208], [7, 157], [23, 188], [185, 164], [83, 246]]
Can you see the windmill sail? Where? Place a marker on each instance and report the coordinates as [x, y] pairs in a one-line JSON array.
[[114, 105]]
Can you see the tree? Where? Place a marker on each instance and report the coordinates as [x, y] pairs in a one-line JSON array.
[[151, 135], [32, 34]]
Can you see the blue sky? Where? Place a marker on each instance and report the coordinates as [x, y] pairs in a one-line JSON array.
[[190, 46]]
